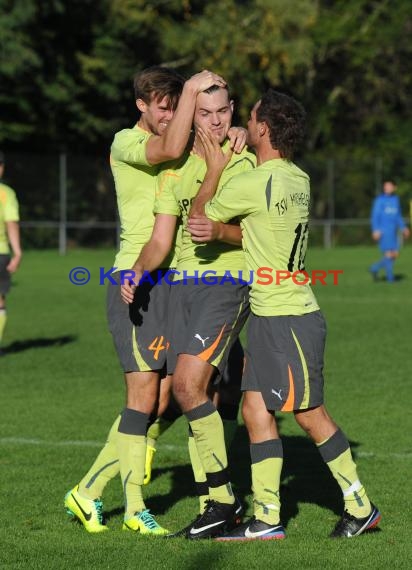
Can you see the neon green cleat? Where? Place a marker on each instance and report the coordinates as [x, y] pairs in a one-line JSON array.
[[87, 511], [150, 451], [145, 523]]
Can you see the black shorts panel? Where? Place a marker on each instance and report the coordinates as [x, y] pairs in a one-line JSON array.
[[205, 320], [284, 360], [139, 330]]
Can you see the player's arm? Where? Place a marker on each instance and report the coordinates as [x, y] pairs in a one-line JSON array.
[[202, 229], [13, 234], [172, 143], [152, 255]]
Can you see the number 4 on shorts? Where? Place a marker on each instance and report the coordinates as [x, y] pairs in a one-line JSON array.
[[157, 345]]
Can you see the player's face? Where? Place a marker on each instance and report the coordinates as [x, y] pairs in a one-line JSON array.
[[155, 115], [253, 127], [213, 113], [389, 187]]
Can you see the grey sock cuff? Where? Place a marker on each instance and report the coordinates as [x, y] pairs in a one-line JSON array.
[[334, 446], [201, 411], [265, 450], [133, 422]]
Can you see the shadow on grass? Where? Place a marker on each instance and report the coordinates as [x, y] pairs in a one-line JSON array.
[[305, 478], [21, 345]]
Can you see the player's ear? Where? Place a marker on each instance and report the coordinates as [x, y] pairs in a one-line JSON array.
[[232, 105], [141, 105], [262, 128]]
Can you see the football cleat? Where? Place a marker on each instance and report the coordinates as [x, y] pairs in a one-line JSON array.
[[144, 523], [349, 526], [150, 451], [185, 532], [217, 518], [254, 529], [89, 512]]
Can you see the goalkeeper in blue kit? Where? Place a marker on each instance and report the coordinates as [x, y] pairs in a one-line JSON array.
[[387, 221]]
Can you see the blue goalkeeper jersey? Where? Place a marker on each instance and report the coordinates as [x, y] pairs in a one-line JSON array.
[[387, 218]]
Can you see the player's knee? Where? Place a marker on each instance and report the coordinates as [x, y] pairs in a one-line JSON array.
[[181, 393], [310, 420]]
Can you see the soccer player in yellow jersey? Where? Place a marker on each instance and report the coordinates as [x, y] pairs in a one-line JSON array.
[[286, 333], [9, 234], [204, 319], [165, 105]]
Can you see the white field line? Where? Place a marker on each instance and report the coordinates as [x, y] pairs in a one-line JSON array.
[[166, 446], [68, 443]]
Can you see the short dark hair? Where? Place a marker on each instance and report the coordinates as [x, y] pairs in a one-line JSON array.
[[157, 82], [214, 88], [285, 118], [2, 157]]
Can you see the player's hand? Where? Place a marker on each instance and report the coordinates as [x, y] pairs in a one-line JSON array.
[[376, 235], [127, 291], [237, 137], [202, 229], [406, 233], [13, 264], [203, 80], [214, 155], [129, 286]]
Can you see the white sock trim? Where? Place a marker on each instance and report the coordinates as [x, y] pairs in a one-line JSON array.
[[356, 486]]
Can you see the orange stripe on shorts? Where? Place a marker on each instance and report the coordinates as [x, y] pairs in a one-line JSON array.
[[206, 354], [290, 402]]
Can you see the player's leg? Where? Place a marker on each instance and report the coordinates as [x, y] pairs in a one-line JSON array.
[[142, 347], [126, 445], [142, 390], [306, 390], [5, 283], [225, 394], [389, 261], [360, 514], [167, 413], [265, 445], [228, 393], [212, 318], [266, 454]]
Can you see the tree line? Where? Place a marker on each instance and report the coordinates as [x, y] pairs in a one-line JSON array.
[[66, 69]]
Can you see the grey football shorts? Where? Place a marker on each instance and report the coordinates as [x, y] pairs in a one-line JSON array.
[[5, 278], [205, 320], [284, 360], [139, 330]]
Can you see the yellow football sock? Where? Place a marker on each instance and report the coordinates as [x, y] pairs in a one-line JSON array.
[[105, 467], [338, 457], [207, 428], [267, 461], [3, 320], [132, 455], [199, 474], [131, 448]]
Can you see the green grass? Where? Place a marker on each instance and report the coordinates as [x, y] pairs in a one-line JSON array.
[[61, 387]]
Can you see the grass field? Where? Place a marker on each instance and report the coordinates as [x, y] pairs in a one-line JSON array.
[[61, 387]]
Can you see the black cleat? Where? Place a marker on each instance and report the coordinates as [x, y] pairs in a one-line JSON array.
[[217, 519], [254, 529], [349, 526], [185, 532]]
